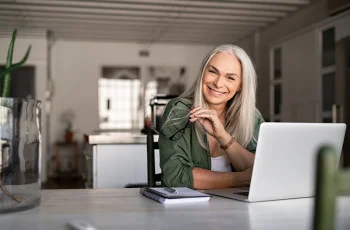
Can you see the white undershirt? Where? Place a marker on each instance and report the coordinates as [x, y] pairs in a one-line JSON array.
[[220, 164]]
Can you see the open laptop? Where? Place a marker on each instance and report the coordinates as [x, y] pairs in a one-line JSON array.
[[285, 161]]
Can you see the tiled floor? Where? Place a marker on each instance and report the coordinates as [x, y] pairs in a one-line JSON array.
[[64, 181]]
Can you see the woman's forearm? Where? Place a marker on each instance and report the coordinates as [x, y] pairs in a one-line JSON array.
[[206, 179], [240, 158]]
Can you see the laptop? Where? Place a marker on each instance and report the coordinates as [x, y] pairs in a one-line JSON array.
[[285, 161]]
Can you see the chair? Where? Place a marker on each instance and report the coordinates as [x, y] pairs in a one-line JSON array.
[[330, 182], [152, 177]]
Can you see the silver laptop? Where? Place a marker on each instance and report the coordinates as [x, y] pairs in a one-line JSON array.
[[285, 161]]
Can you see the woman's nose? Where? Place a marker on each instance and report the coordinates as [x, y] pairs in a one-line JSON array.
[[219, 82]]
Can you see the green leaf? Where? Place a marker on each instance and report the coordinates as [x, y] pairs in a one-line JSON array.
[[10, 50], [5, 83], [17, 65], [1, 81], [6, 75]]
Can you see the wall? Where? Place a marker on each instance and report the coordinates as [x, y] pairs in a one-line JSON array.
[[300, 79], [37, 58], [301, 19], [77, 67]]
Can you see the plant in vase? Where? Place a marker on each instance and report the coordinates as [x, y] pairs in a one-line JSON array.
[[20, 142], [67, 118]]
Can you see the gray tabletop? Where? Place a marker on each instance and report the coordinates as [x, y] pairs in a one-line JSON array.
[[127, 209]]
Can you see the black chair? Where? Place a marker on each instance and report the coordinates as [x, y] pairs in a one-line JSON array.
[[152, 177]]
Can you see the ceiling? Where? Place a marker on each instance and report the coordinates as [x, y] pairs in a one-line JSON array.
[[145, 21]]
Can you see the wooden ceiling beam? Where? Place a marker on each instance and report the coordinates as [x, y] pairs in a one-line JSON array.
[[200, 3], [153, 8], [111, 12], [102, 19]]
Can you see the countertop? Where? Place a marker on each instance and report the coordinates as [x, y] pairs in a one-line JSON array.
[[118, 138]]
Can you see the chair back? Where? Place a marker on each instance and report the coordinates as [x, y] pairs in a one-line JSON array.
[[152, 145], [330, 182]]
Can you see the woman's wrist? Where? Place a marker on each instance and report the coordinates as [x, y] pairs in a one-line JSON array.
[[224, 139]]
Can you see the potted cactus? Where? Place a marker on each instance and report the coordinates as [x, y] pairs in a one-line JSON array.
[[20, 143]]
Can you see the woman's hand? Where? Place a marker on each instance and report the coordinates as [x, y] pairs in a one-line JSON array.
[[209, 121]]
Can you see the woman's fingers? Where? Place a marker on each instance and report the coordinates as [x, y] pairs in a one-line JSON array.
[[200, 110], [203, 113], [195, 109]]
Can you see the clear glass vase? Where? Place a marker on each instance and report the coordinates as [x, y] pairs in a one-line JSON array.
[[20, 154]]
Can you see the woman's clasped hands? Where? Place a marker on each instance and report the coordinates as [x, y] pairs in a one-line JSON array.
[[209, 120]]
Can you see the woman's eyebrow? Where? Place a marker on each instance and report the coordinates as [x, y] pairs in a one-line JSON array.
[[227, 74]]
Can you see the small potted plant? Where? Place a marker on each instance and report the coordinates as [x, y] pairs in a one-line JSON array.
[[67, 118]]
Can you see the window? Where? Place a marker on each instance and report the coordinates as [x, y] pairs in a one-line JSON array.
[[328, 73], [277, 70], [150, 92], [328, 91], [119, 93], [276, 85], [277, 98], [328, 47]]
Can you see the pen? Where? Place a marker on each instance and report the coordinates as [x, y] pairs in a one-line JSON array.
[[171, 190]]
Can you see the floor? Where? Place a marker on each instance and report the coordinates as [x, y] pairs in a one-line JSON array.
[[65, 181]]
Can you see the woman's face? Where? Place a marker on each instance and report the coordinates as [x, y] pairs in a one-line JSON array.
[[221, 79]]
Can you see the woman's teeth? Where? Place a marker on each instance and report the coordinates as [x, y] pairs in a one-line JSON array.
[[216, 92]]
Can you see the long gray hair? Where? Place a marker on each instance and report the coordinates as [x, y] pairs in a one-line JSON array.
[[241, 109]]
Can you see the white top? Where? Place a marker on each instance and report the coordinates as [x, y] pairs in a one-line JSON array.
[[125, 208], [220, 164]]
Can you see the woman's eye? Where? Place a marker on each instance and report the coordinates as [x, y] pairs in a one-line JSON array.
[[212, 71], [231, 78]]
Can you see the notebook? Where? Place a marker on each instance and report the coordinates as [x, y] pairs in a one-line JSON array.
[[183, 195], [285, 161]]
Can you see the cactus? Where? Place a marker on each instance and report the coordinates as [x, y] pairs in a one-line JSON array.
[[5, 76]]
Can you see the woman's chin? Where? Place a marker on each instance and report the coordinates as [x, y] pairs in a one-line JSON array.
[[215, 100]]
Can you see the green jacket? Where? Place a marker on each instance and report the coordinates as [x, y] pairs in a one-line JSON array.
[[178, 157]]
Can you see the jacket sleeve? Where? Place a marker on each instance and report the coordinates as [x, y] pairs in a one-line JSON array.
[[175, 155], [253, 143]]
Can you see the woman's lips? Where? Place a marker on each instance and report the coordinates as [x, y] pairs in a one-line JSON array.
[[215, 92]]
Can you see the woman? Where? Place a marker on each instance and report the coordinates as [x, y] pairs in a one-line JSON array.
[[208, 139]]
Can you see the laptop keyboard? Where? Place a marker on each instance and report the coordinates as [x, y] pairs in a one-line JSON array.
[[242, 193]]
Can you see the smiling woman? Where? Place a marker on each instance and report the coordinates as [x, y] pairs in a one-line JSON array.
[[218, 150]]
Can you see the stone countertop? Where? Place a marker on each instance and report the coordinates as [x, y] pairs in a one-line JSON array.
[[117, 138]]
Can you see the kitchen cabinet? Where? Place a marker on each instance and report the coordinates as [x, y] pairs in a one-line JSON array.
[[119, 160]]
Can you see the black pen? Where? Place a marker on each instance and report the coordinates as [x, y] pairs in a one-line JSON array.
[[171, 190]]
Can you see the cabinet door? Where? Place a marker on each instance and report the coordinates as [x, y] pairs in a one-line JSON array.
[[299, 82], [115, 166]]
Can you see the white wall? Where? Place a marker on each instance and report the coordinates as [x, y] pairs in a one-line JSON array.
[[77, 68], [307, 16], [37, 58], [300, 79]]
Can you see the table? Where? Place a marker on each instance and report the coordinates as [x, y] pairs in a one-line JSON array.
[[58, 146], [127, 209]]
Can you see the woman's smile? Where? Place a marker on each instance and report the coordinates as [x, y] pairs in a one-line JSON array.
[[215, 92]]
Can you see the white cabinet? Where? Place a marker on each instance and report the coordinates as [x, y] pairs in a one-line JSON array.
[[117, 165]]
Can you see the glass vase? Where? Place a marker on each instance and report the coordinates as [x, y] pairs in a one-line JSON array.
[[20, 154]]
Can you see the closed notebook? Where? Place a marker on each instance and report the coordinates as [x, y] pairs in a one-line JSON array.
[[183, 195]]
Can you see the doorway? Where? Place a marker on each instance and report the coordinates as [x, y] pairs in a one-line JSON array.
[[22, 82]]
